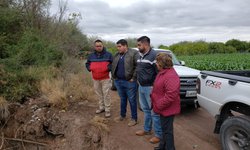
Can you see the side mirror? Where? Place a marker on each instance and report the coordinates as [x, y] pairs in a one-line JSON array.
[[182, 63]]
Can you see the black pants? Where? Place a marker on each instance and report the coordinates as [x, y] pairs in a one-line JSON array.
[[167, 141]]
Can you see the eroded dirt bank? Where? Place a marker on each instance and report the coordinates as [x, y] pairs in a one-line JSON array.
[[37, 125]]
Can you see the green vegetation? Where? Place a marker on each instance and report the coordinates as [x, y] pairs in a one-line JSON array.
[[111, 46], [234, 61], [202, 47], [232, 55], [35, 46]]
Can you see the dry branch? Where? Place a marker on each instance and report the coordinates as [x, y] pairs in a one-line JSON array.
[[26, 141]]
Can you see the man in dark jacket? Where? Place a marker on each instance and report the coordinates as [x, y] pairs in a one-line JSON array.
[[99, 64], [123, 72], [146, 73]]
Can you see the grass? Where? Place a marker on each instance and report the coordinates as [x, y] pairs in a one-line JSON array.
[[97, 135], [4, 111], [77, 88], [71, 85], [100, 123], [53, 91]]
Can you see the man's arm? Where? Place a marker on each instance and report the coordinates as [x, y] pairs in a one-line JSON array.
[[110, 64], [136, 56], [87, 64]]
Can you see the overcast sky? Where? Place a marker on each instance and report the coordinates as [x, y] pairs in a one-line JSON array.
[[164, 21]]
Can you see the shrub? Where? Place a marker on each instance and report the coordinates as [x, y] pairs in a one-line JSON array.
[[4, 111], [24, 67], [34, 50], [18, 86]]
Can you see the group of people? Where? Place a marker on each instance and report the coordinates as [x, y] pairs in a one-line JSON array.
[[147, 72]]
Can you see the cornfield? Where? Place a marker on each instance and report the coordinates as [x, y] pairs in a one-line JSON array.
[[234, 61]]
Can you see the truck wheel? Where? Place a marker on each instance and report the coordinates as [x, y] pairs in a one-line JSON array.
[[235, 133]]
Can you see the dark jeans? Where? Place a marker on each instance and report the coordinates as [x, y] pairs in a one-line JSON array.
[[127, 91], [167, 141]]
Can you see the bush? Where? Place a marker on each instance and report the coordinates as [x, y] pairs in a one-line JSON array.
[[34, 50], [190, 48], [241, 46], [32, 44], [18, 86], [230, 49], [10, 28], [4, 110], [218, 47], [23, 68], [3, 46]]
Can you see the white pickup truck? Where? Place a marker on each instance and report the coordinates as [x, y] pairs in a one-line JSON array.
[[226, 95]]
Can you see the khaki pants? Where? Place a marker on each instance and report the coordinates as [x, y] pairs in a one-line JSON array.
[[102, 90]]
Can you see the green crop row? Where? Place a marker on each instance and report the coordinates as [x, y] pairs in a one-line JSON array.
[[234, 61]]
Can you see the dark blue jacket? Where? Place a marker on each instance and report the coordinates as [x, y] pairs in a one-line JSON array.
[[130, 63], [146, 68]]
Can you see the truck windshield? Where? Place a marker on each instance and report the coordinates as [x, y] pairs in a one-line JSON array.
[[174, 59]]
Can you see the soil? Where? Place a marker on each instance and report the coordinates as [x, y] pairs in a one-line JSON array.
[[36, 125]]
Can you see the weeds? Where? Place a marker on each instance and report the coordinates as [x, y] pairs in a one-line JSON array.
[[76, 88], [70, 86], [100, 123], [53, 91], [97, 135], [4, 111]]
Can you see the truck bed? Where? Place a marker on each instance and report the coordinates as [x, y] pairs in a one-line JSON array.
[[243, 76]]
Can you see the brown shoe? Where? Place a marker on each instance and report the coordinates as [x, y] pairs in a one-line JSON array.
[[132, 122], [118, 119], [154, 140], [142, 133]]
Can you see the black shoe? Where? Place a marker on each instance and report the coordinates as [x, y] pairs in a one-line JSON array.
[[157, 148]]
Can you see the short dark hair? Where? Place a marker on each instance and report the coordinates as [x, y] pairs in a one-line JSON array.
[[144, 39], [123, 42], [97, 41]]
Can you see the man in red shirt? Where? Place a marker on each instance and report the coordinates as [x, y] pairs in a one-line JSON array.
[[99, 64]]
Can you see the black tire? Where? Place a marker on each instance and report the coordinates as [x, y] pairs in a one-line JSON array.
[[191, 105], [235, 133]]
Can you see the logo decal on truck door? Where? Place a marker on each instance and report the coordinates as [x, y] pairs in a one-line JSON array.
[[213, 84]]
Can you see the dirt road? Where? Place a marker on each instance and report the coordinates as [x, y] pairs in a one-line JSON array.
[[193, 130]]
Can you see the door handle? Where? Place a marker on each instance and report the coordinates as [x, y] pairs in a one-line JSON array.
[[232, 82], [203, 76]]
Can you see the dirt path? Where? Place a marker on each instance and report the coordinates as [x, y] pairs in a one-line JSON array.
[[193, 130]]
